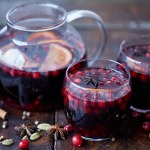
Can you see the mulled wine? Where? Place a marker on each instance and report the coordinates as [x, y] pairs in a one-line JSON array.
[[135, 54], [96, 97], [32, 76], [36, 47]]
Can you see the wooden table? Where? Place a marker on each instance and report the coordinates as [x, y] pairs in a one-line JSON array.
[[122, 20]]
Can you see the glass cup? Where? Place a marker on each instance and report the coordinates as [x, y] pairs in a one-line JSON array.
[[135, 55], [96, 97]]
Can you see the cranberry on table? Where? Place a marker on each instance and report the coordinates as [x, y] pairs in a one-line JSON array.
[[77, 140], [68, 128], [146, 126], [23, 144]]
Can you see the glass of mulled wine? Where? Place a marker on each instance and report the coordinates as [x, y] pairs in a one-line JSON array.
[[96, 97], [36, 47], [135, 55]]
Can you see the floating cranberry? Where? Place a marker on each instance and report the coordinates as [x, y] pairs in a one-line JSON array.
[[68, 128], [79, 73], [5, 69], [118, 83], [77, 140], [55, 73], [102, 104], [144, 77], [133, 74], [136, 114], [13, 72], [114, 78], [28, 74], [36, 75], [23, 144], [77, 80], [148, 55], [146, 126], [20, 73], [147, 115]]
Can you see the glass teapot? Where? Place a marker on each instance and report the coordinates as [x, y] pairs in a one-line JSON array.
[[36, 47]]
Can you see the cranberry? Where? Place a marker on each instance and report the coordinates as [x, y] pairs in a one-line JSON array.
[[68, 128], [20, 73], [133, 74], [13, 72], [36, 75], [143, 77], [5, 69], [55, 73], [28, 74], [118, 83], [146, 126], [77, 80], [148, 55], [102, 104], [136, 114], [114, 78], [147, 115], [23, 144], [79, 73], [77, 140]]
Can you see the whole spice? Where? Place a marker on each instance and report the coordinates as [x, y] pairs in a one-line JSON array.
[[7, 142], [91, 79], [25, 129], [44, 126], [57, 132], [35, 136]]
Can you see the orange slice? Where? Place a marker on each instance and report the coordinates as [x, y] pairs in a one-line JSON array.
[[57, 58]]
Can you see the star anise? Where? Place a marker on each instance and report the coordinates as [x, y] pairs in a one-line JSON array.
[[91, 79], [25, 129], [57, 132]]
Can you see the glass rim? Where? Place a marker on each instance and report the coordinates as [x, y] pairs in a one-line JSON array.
[[126, 43], [46, 28], [98, 89]]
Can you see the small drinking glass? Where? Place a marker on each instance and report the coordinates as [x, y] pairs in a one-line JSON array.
[[96, 97], [135, 54]]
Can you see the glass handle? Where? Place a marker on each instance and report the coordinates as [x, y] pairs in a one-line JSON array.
[[76, 14]]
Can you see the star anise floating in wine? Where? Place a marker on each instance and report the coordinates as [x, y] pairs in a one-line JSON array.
[[57, 132], [91, 79], [25, 129]]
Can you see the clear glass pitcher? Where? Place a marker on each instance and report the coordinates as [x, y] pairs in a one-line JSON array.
[[36, 47]]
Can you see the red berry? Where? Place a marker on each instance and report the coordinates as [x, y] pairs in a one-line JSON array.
[[146, 126], [23, 144], [77, 80], [148, 55], [36, 75], [136, 114], [55, 73], [13, 72], [77, 140], [147, 115], [79, 73], [134, 74], [68, 128], [144, 77], [102, 104]]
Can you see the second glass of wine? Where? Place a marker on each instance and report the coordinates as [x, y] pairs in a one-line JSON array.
[[96, 97]]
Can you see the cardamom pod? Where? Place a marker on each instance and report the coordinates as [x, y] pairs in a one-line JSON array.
[[35, 136], [44, 126], [25, 137], [7, 142]]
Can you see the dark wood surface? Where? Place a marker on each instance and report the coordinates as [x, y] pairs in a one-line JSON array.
[[122, 20]]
